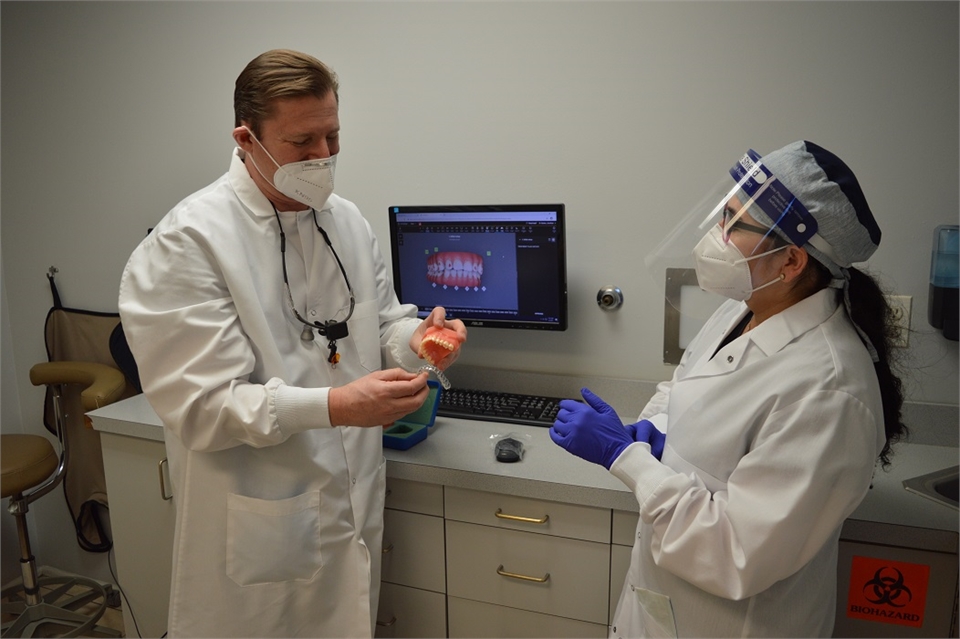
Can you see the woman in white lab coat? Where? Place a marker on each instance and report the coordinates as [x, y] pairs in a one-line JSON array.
[[235, 307], [746, 463]]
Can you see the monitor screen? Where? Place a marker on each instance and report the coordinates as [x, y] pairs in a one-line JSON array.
[[498, 265]]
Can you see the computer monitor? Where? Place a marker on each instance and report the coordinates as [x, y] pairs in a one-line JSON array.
[[501, 266]]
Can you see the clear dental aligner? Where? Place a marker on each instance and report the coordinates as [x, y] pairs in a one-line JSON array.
[[430, 368]]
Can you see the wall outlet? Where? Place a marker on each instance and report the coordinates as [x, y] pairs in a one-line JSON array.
[[901, 304]]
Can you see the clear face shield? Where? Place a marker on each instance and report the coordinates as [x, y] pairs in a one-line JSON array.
[[744, 210]]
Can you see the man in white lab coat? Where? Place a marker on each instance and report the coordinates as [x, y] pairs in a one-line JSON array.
[[271, 344]]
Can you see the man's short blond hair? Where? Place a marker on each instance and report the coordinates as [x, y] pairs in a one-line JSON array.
[[275, 75]]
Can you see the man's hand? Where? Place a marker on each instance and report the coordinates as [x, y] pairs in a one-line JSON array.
[[377, 399]]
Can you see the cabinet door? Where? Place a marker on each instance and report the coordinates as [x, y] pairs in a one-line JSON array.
[[619, 565], [477, 619], [410, 612], [552, 575], [886, 603], [413, 552], [624, 527], [142, 522]]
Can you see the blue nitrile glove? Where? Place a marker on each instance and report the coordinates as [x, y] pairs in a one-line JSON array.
[[591, 431], [644, 431]]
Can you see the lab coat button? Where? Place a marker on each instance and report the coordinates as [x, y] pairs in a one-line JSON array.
[[313, 313], [729, 359], [354, 480]]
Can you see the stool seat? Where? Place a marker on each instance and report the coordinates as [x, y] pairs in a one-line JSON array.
[[55, 606], [25, 462]]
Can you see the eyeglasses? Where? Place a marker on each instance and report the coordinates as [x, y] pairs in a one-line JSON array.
[[731, 221]]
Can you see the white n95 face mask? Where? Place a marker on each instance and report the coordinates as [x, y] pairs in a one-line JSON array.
[[309, 182], [722, 268]]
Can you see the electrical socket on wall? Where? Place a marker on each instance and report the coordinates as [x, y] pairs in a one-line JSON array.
[[901, 304]]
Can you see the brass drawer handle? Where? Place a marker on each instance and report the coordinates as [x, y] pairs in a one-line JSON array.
[[539, 580], [387, 549], [384, 624], [163, 483], [527, 520]]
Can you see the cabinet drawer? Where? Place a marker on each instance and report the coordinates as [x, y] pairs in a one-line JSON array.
[[413, 550], [477, 619], [625, 527], [533, 515], [414, 496], [411, 612], [574, 574]]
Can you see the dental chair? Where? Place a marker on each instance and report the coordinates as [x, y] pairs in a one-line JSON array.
[[31, 468]]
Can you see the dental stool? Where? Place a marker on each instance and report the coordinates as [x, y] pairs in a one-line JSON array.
[[30, 469]]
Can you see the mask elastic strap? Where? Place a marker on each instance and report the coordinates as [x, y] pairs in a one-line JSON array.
[[272, 159], [759, 255], [770, 283], [753, 257]]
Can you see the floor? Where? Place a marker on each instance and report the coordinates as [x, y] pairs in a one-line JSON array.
[[111, 619]]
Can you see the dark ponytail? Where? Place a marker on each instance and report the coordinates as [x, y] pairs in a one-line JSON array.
[[873, 315]]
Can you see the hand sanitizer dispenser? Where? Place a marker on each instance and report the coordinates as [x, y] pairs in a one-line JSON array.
[[942, 308]]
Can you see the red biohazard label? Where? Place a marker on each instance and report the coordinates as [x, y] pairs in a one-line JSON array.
[[888, 591]]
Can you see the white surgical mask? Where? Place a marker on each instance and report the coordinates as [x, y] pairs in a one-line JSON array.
[[309, 182], [722, 268]]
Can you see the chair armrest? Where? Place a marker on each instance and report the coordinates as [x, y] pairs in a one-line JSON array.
[[103, 384]]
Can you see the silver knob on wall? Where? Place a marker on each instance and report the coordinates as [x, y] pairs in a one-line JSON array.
[[610, 298]]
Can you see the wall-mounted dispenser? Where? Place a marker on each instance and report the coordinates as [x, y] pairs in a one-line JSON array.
[[942, 308]]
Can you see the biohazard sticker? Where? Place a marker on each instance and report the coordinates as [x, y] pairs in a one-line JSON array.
[[888, 591]]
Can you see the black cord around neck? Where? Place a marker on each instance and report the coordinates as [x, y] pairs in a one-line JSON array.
[[330, 329]]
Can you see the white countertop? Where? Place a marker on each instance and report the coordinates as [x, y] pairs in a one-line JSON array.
[[132, 416], [890, 503], [460, 453]]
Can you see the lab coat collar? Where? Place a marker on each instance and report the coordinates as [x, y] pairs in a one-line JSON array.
[[781, 329], [250, 194], [246, 189], [770, 336]]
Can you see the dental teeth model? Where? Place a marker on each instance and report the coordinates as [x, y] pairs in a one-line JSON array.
[[438, 344]]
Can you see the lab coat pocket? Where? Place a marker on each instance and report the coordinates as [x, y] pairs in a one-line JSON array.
[[365, 334], [272, 541], [657, 614]]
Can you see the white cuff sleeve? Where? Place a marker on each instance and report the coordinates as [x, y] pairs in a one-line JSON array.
[[300, 409], [642, 473]]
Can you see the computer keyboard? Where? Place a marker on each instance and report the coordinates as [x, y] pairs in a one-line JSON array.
[[511, 408]]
